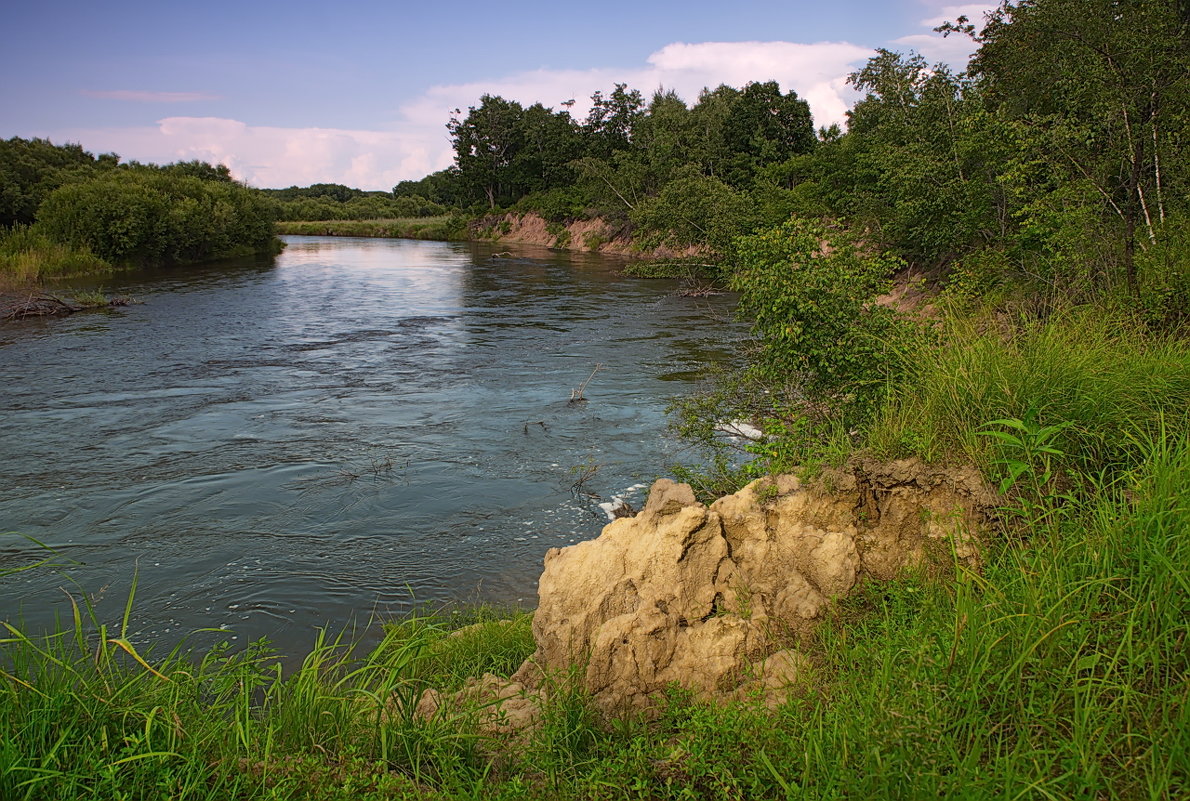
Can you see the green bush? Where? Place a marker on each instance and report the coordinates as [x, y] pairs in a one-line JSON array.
[[148, 217], [810, 292]]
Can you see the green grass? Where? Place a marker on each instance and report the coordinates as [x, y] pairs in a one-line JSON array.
[[1059, 671], [444, 227], [1099, 372], [87, 715], [28, 257]]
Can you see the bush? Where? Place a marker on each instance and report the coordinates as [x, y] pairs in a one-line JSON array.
[[810, 292], [695, 209], [143, 217]]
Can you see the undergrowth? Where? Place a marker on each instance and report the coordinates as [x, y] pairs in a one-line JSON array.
[[28, 257], [444, 228]]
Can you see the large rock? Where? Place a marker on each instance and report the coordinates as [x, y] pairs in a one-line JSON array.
[[706, 597]]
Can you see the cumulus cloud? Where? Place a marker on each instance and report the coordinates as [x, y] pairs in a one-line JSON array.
[[953, 49], [417, 143], [274, 156], [151, 97]]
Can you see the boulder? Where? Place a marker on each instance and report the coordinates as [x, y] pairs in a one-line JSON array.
[[707, 597]]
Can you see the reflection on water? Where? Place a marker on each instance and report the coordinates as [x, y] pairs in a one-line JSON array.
[[363, 424]]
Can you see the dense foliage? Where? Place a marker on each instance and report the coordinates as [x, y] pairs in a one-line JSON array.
[[339, 202], [681, 172], [147, 217], [63, 210]]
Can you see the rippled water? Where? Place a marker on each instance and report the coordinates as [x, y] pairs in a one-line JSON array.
[[359, 426]]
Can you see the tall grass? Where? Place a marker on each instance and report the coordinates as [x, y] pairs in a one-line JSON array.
[[27, 257], [87, 715], [1095, 370]]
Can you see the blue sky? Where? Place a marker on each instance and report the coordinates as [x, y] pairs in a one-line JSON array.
[[359, 92]]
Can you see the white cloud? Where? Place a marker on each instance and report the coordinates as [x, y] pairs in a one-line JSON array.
[[417, 143], [273, 156], [151, 97], [954, 49]]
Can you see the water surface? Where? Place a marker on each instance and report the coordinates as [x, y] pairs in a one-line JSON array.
[[356, 427]]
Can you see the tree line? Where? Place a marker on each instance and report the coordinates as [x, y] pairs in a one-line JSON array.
[[127, 213], [1059, 155]]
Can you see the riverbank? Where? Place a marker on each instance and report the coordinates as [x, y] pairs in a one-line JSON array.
[[1054, 669], [445, 228], [591, 236]]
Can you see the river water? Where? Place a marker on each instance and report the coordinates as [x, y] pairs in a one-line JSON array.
[[355, 428]]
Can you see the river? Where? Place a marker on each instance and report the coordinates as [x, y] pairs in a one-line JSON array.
[[352, 429]]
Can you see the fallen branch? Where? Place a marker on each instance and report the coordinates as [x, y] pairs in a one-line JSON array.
[[576, 395]]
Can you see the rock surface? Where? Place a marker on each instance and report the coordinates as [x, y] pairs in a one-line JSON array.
[[703, 596]]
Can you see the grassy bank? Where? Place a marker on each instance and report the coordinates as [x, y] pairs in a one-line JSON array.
[[1057, 671], [28, 258], [444, 228]]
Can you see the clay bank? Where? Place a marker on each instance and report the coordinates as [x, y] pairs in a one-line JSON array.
[[717, 598]]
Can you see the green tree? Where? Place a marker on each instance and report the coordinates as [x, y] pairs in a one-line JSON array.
[[147, 216], [550, 142], [695, 209], [1099, 92], [923, 161], [762, 127], [809, 290], [612, 121], [486, 143], [32, 168]]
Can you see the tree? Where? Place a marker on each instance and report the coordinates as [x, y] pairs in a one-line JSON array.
[[486, 142], [549, 142], [763, 127], [32, 168], [923, 161], [1100, 95], [612, 121]]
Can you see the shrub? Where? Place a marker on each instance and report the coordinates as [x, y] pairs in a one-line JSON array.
[[143, 217], [810, 292]]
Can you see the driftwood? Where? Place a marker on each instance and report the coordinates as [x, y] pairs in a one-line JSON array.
[[576, 395], [699, 289], [14, 307]]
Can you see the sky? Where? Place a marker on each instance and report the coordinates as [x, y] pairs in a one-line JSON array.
[[359, 93]]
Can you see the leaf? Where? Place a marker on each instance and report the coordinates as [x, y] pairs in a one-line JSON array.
[[131, 651], [1010, 422], [1003, 436]]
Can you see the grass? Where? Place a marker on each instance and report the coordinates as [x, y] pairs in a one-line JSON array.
[[444, 227], [90, 716], [1059, 671], [1097, 372], [28, 257]]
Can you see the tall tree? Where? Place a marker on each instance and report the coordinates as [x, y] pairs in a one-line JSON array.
[[763, 127], [612, 120], [923, 163], [486, 142], [1101, 94]]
